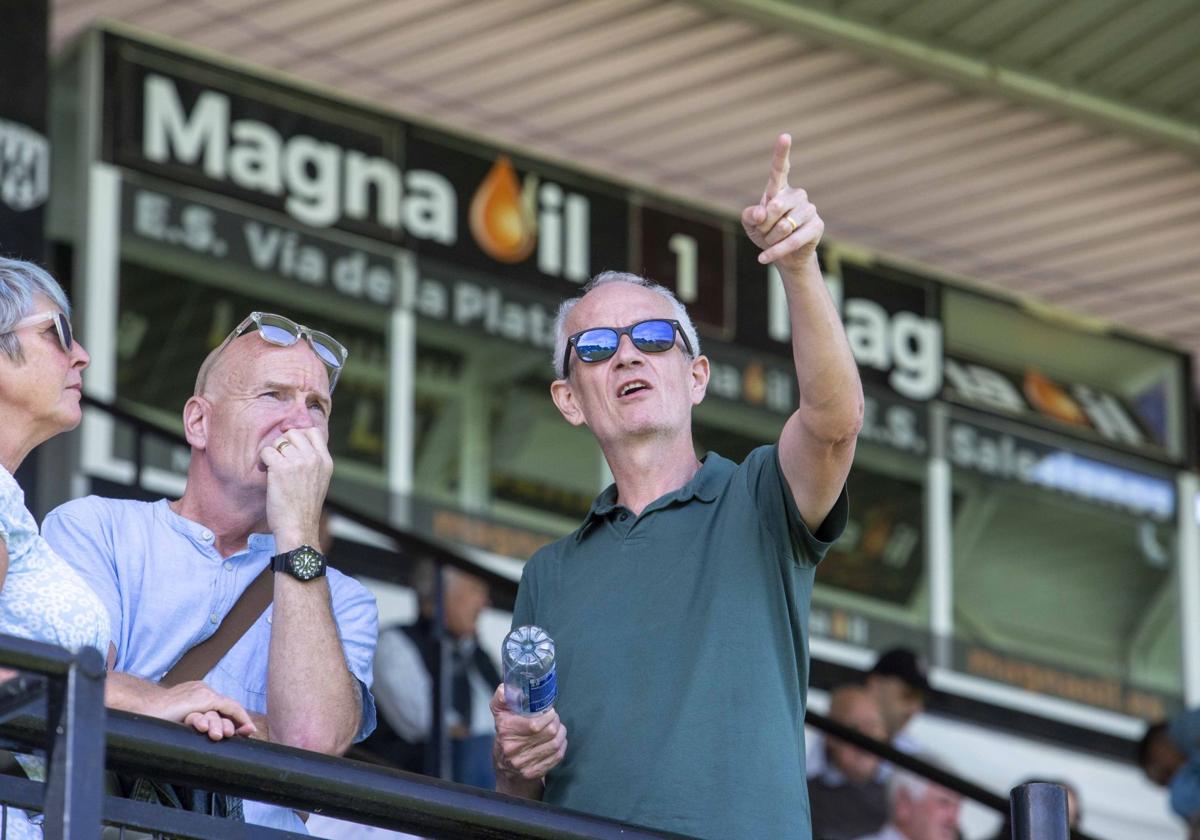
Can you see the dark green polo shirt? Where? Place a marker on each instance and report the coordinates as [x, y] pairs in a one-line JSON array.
[[682, 639]]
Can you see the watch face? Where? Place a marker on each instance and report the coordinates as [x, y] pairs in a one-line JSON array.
[[306, 563]]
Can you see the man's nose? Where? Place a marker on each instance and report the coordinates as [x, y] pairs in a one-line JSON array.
[[626, 352], [298, 416]]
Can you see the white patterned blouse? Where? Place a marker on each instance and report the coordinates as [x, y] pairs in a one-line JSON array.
[[43, 598]]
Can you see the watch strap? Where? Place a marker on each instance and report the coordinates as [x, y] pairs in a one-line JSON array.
[[282, 562]]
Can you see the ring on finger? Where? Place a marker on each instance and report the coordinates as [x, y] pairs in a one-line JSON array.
[[282, 445], [794, 225]]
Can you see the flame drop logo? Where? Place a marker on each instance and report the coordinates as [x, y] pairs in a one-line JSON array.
[[754, 384], [1051, 400], [502, 216]]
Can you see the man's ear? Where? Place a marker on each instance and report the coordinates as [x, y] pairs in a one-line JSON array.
[[699, 379], [195, 421], [564, 398]]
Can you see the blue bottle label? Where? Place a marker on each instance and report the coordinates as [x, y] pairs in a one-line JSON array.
[[542, 692]]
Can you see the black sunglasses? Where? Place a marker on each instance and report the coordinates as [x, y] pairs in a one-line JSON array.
[[599, 343]]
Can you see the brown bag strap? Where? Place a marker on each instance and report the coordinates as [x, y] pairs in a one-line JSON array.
[[198, 661]]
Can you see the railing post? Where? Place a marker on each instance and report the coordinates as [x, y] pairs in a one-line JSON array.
[[139, 456], [439, 741], [75, 768], [1039, 812]]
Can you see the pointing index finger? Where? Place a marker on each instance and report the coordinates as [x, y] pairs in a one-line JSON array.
[[780, 164]]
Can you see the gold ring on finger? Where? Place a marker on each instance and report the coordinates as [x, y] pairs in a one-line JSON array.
[[794, 225], [282, 445]]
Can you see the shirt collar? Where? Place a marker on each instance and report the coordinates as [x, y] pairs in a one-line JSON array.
[[705, 485], [202, 535]]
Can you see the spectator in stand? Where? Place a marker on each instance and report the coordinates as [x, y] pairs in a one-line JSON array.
[[680, 605], [848, 798], [404, 662], [1169, 755], [169, 572], [919, 809], [899, 686], [41, 597]]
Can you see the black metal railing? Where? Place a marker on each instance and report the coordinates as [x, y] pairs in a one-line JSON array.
[[69, 692], [368, 793], [68, 719]]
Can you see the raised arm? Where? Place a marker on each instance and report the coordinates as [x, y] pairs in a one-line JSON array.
[[816, 446]]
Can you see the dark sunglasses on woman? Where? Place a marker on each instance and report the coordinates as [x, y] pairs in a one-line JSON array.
[[61, 323]]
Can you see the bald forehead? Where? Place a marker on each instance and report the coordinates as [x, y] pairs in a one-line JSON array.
[[460, 579], [847, 698], [853, 705], [618, 304], [248, 358]]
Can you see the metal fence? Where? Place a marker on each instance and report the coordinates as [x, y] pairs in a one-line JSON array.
[[62, 712], [68, 693]]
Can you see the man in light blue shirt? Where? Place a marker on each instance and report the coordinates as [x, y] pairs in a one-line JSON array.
[[169, 571]]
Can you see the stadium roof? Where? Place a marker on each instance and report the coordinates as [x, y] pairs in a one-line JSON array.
[[1048, 147]]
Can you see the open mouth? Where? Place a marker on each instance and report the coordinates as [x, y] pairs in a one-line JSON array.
[[637, 386]]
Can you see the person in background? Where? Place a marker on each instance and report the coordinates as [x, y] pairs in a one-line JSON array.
[[899, 685], [680, 606], [1169, 755], [848, 798], [170, 571], [919, 809], [41, 364], [404, 663]]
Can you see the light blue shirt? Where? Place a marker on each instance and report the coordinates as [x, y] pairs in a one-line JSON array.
[[1184, 786], [167, 588]]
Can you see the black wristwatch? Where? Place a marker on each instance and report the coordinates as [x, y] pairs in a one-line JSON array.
[[303, 563]]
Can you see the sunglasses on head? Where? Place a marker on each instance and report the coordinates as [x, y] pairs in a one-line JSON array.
[[284, 332], [61, 323], [599, 343]]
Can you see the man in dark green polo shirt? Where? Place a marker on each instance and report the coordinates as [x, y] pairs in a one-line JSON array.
[[680, 605]]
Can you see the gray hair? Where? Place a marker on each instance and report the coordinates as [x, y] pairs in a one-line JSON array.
[[20, 282], [605, 277]]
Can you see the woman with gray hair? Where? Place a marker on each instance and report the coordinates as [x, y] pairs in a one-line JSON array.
[[41, 597]]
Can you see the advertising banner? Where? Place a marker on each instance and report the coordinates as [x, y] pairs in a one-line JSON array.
[[1001, 454], [541, 230], [881, 554]]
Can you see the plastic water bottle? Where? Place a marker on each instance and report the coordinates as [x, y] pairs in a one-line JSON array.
[[527, 657]]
